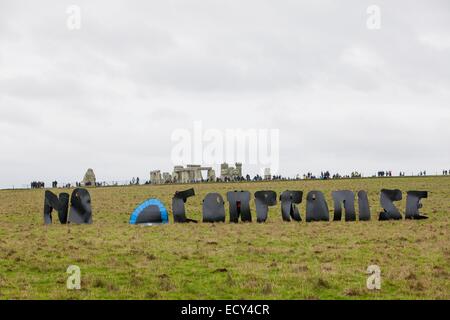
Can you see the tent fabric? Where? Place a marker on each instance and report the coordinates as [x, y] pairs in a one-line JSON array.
[[145, 213]]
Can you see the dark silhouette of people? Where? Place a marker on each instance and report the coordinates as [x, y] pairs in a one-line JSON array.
[[37, 185]]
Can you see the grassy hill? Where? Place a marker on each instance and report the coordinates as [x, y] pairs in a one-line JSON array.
[[274, 260]]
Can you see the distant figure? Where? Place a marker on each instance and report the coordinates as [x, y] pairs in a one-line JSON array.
[[37, 185]]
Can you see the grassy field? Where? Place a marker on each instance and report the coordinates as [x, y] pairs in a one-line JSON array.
[[274, 260]]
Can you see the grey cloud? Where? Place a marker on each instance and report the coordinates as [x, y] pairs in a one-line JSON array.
[[109, 95]]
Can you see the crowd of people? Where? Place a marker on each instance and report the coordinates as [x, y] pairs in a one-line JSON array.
[[37, 185], [41, 185], [384, 174], [134, 181], [309, 175], [278, 177], [324, 175]]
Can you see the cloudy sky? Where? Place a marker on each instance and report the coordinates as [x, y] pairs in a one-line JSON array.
[[110, 94]]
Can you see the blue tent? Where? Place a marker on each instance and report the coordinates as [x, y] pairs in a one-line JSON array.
[[151, 211]]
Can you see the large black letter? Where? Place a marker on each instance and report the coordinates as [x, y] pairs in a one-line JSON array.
[[316, 207], [347, 198], [239, 205], [51, 202], [264, 199], [413, 204], [289, 201], [213, 208], [80, 207], [387, 197], [363, 204], [178, 209]]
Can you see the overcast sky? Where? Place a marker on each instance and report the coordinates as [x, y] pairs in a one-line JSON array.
[[109, 95]]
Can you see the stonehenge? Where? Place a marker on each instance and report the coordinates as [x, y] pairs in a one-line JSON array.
[[189, 174]]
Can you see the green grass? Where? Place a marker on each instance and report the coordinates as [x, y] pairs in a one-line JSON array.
[[274, 260]]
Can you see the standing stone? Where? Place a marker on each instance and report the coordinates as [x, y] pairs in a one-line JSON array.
[[192, 173], [267, 175], [238, 169], [155, 177], [167, 178], [231, 173], [89, 178], [211, 175]]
